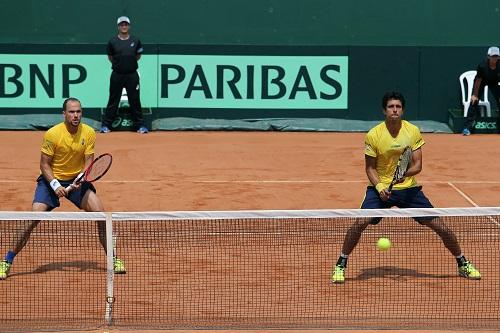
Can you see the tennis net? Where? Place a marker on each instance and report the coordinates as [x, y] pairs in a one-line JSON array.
[[251, 269]]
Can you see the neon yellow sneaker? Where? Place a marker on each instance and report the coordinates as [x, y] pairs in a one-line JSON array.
[[4, 269], [468, 271], [338, 274], [119, 266]]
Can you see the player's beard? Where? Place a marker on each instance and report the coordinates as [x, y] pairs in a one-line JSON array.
[[75, 123]]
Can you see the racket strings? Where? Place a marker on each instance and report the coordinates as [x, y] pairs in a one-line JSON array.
[[98, 168], [404, 164]]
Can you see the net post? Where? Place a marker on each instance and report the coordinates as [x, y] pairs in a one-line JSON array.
[[110, 299]]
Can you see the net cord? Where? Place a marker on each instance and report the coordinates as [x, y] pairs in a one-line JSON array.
[[250, 214], [318, 213]]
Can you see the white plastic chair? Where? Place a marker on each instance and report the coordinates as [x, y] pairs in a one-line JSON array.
[[467, 84]]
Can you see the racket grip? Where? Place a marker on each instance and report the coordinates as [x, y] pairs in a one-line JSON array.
[[77, 180]]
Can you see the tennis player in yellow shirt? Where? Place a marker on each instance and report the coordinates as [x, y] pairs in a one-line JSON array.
[[67, 149], [383, 145]]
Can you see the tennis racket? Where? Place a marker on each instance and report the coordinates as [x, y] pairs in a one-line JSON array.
[[94, 171], [403, 165]]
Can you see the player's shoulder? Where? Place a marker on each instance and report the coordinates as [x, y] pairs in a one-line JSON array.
[[56, 129], [414, 133], [87, 129], [409, 125], [411, 128], [377, 129]]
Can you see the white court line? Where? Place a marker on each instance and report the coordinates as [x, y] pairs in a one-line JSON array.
[[466, 197], [345, 181], [268, 181]]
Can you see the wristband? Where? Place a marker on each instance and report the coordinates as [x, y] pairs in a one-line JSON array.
[[54, 183], [380, 187]]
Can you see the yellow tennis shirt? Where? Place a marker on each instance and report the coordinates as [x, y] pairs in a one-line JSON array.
[[380, 144], [68, 150]]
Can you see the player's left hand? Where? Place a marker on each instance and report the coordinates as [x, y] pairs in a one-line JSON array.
[[60, 191], [399, 181]]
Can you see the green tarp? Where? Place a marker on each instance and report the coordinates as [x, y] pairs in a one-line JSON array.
[[42, 122]]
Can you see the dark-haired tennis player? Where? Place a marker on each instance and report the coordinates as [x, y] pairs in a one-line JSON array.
[[67, 148], [383, 145]]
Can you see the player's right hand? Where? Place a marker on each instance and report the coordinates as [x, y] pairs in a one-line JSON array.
[[384, 194], [474, 99], [77, 182]]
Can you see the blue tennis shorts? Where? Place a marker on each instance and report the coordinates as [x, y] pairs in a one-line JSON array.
[[412, 197], [45, 194]]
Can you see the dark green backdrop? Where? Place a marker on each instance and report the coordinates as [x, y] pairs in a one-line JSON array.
[[418, 47], [259, 22]]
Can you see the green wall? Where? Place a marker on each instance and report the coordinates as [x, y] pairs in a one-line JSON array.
[[417, 47], [257, 22]]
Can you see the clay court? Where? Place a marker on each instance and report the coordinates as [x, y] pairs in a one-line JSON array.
[[177, 171], [165, 171]]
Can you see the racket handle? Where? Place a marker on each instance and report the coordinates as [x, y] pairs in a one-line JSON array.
[[77, 180], [69, 188]]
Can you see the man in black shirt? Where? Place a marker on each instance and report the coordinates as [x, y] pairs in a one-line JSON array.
[[124, 51], [488, 74]]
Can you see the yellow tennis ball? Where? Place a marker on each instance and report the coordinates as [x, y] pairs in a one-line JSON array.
[[383, 244]]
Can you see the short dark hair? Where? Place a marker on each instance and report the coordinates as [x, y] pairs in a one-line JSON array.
[[70, 99], [393, 95]]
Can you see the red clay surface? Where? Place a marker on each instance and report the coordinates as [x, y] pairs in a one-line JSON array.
[[253, 170], [256, 170]]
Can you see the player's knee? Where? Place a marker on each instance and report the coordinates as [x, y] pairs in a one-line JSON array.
[[39, 207]]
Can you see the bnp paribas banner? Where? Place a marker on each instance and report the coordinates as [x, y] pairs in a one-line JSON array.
[[180, 81], [45, 80]]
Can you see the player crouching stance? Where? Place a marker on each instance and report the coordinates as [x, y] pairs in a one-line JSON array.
[[67, 149], [383, 146]]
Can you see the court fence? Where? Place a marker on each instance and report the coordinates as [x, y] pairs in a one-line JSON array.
[[248, 270]]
